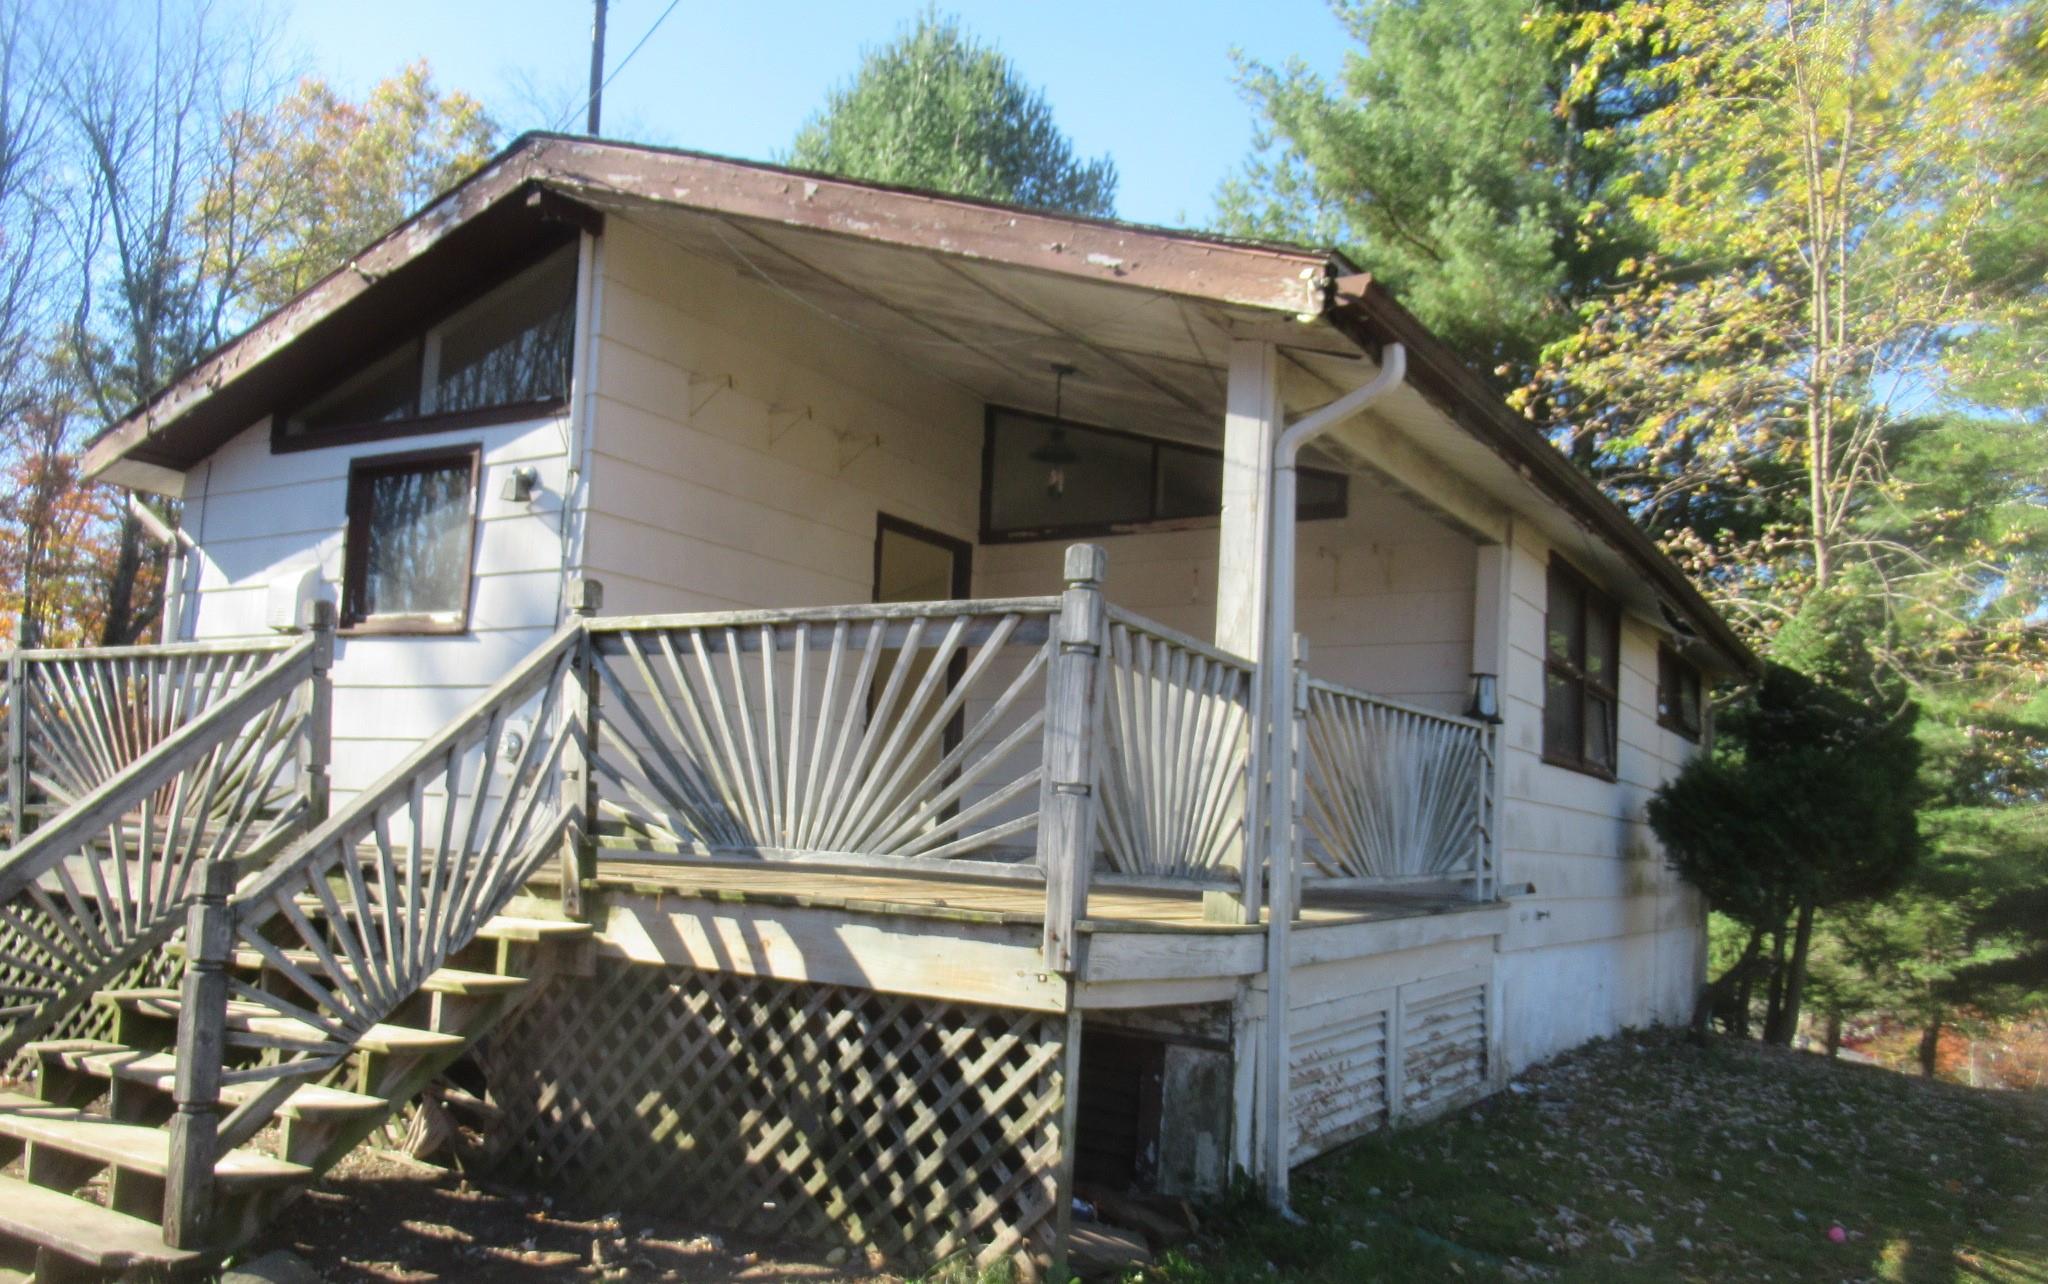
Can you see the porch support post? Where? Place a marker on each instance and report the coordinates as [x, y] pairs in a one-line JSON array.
[[1491, 599], [1251, 428], [1251, 431]]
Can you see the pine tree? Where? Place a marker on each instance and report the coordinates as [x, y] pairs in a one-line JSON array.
[[1447, 162], [936, 108]]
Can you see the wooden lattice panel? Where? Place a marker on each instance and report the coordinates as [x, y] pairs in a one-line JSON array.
[[813, 1111]]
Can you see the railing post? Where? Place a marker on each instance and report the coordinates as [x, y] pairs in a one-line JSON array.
[[17, 744], [1066, 807], [1486, 876], [202, 1023], [579, 781], [316, 747]]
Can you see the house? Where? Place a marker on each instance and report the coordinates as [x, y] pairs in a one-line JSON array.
[[798, 681]]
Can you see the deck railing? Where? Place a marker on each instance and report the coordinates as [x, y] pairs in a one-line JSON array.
[[1176, 736], [106, 880], [76, 717], [1394, 794], [905, 735]]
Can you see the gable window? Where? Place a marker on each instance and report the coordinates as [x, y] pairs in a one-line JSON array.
[[411, 529], [1679, 696], [1581, 663], [502, 356], [1047, 478]]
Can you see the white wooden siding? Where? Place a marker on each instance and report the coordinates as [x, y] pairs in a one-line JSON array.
[[256, 515], [1384, 594], [1612, 938], [744, 444]]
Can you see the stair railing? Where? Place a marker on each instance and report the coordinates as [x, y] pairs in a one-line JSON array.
[[77, 715], [379, 896], [107, 880]]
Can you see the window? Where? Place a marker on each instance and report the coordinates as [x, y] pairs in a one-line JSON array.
[[501, 356], [1046, 478], [411, 528], [1582, 645], [1679, 702]]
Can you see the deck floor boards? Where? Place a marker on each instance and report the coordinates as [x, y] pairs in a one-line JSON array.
[[1110, 908]]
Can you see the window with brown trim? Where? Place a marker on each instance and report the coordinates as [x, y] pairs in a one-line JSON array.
[[1581, 666], [406, 559], [1047, 478], [502, 356], [1680, 698]]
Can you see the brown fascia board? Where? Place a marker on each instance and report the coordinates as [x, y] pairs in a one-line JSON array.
[[1364, 310], [202, 403], [1255, 274]]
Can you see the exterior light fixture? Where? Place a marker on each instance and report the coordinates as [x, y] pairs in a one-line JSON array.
[[523, 485], [1057, 452], [1485, 703]]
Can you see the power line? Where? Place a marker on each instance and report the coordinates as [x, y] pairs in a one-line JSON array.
[[645, 37]]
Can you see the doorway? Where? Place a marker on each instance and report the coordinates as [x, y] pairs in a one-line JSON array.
[[917, 564]]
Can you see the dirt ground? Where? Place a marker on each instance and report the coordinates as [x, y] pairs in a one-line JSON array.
[[381, 1217]]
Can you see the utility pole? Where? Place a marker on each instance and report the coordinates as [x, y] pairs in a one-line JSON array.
[[596, 67]]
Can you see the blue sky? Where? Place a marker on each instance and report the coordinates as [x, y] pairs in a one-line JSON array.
[[1147, 81]]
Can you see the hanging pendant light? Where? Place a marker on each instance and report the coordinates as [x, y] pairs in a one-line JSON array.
[[1056, 452]]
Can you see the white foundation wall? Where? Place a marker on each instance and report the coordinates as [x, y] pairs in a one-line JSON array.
[[1384, 594], [735, 460], [1404, 1028], [255, 516], [1611, 937]]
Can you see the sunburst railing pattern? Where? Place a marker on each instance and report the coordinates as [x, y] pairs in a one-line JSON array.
[[1394, 793], [109, 878]]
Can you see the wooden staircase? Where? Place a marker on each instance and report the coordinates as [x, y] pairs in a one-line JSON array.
[[330, 971], [88, 1159]]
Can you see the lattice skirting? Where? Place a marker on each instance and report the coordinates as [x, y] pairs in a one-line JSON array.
[[922, 1128]]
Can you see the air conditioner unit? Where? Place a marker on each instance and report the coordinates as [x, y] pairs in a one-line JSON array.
[[289, 605]]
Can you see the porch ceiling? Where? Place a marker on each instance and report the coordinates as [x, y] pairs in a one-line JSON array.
[[1142, 359]]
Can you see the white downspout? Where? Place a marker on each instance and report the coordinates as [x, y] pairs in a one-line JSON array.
[[1278, 674]]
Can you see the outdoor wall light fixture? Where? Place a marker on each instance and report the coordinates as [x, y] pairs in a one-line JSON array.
[[523, 485], [1485, 703], [1057, 452]]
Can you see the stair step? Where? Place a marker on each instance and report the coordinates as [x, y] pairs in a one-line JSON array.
[[447, 980], [159, 1070], [99, 1237], [130, 1146], [505, 927], [255, 1018]]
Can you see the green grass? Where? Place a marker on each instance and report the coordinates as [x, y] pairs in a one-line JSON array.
[[1645, 1158]]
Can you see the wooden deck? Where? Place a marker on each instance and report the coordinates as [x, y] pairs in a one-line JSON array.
[[976, 939], [980, 900]]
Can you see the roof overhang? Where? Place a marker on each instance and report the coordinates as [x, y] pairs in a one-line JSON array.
[[987, 295]]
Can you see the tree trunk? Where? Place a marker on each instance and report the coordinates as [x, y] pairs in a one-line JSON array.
[[1795, 978], [120, 626], [1774, 1003], [1930, 1044], [1745, 997], [1714, 996], [1834, 1035]]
